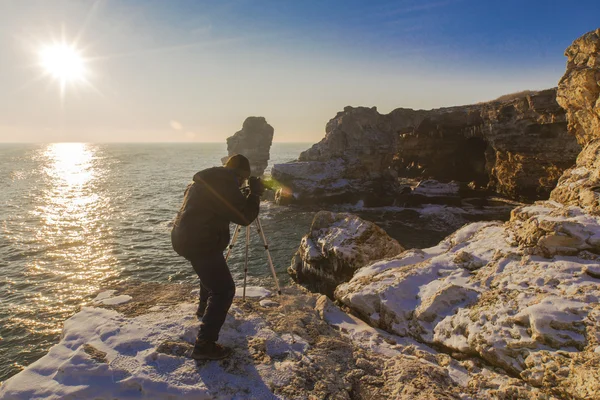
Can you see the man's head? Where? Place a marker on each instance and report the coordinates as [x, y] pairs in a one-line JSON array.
[[240, 165]]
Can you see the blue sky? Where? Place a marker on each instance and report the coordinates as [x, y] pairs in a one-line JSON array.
[[193, 70]]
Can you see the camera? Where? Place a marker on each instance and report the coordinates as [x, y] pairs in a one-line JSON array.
[[260, 185], [255, 186]]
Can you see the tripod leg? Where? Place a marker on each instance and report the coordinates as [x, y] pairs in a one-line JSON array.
[[264, 238], [233, 239], [246, 262]]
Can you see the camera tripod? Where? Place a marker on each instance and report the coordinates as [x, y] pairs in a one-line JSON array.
[[259, 229]]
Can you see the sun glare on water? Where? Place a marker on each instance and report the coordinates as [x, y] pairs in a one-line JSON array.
[[64, 63]]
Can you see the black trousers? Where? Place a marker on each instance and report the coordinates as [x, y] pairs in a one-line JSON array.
[[217, 289]]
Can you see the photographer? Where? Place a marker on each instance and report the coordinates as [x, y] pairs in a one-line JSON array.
[[201, 234]]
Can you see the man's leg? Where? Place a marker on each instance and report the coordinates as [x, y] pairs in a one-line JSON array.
[[203, 301], [216, 279]]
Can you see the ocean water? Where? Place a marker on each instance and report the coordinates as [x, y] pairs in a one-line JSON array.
[[78, 217]]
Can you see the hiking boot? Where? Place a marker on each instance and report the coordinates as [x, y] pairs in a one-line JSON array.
[[201, 309], [207, 350]]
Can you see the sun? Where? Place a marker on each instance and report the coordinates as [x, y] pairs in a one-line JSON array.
[[63, 62]]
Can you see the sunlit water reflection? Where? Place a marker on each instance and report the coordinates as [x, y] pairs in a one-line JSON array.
[[58, 236], [76, 217]]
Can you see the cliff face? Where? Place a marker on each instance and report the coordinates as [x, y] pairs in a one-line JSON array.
[[364, 139], [517, 147], [579, 88], [515, 294], [253, 141], [579, 93]]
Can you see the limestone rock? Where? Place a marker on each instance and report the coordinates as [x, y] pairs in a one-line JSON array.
[[579, 88], [327, 182], [579, 94], [300, 347], [320, 179], [430, 191], [337, 245], [580, 185], [253, 141], [549, 229], [517, 147], [524, 295], [515, 310]]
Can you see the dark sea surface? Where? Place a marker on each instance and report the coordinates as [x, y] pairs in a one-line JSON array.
[[75, 218]]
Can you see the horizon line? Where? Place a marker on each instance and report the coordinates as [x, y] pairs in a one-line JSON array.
[[154, 142]]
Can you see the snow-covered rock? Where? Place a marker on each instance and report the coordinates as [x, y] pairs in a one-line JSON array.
[[549, 228], [524, 295], [479, 293], [298, 347], [433, 188], [430, 191], [337, 245]]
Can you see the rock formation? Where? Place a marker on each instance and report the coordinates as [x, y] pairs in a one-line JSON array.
[[579, 93], [482, 293], [338, 244], [253, 141], [524, 296], [294, 347], [517, 147]]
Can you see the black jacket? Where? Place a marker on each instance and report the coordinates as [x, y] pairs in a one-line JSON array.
[[210, 203]]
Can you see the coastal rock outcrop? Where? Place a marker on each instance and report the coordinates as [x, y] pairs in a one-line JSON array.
[[579, 93], [296, 346], [253, 141], [523, 295], [517, 147], [479, 293], [337, 245]]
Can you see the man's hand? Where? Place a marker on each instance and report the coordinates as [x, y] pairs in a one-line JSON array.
[[256, 186]]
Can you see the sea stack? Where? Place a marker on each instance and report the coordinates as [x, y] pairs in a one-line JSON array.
[[253, 141]]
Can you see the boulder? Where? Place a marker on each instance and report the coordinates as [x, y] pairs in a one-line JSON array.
[[253, 141], [337, 245]]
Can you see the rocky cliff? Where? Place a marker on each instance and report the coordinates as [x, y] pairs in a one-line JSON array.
[[579, 93], [523, 296], [253, 141], [517, 147]]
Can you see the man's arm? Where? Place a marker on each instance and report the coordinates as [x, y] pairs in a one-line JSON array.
[[230, 203]]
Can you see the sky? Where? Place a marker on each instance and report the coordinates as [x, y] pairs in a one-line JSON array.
[[193, 70]]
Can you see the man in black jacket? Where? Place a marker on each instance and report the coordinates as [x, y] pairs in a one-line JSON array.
[[201, 234]]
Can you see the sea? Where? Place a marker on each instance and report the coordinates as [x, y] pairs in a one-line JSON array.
[[79, 217]]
